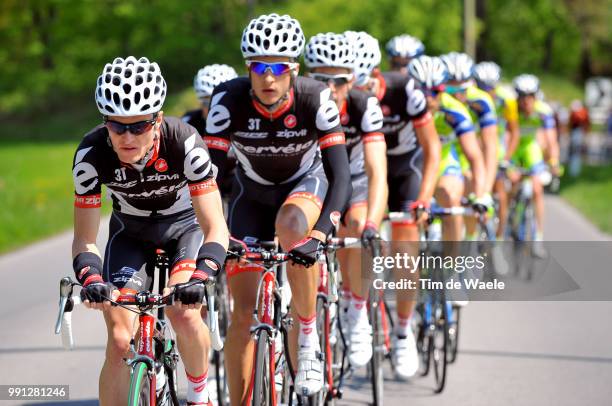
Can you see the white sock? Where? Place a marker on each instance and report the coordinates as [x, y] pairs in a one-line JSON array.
[[357, 309], [197, 392], [308, 337], [402, 328]]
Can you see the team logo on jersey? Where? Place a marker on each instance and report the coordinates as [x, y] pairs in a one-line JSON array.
[[385, 109], [290, 121], [161, 165], [344, 119]]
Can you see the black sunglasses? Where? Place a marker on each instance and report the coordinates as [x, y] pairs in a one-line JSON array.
[[137, 128]]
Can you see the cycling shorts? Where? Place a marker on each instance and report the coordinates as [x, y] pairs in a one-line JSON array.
[[404, 177], [449, 161], [528, 155], [130, 254], [253, 207]]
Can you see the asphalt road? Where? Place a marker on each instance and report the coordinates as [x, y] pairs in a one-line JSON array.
[[511, 353]]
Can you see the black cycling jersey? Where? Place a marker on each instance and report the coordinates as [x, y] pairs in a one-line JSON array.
[[177, 166], [404, 107], [361, 119], [195, 119], [280, 148]]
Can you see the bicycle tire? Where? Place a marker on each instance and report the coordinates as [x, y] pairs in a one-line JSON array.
[[378, 343], [140, 386], [454, 338], [439, 348], [422, 340], [262, 382], [219, 356]]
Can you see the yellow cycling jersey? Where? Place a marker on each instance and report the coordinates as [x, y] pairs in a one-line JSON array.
[[482, 107], [506, 104], [453, 119]]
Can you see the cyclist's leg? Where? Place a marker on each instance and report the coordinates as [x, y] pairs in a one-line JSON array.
[[470, 222], [248, 220], [449, 191], [534, 161], [125, 266], [296, 217], [184, 238]]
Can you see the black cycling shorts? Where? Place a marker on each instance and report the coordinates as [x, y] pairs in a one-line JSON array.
[[130, 254], [253, 206], [404, 176]]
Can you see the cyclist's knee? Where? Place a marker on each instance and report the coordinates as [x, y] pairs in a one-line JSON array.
[[448, 196], [184, 321], [354, 223], [118, 344], [291, 225], [242, 318]]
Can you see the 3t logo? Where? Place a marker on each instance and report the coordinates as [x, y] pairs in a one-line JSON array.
[[254, 123], [120, 174]]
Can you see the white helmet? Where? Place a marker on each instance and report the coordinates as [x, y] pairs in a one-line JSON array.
[[526, 84], [405, 46], [329, 50], [130, 87], [428, 71], [487, 74], [459, 66], [210, 76], [367, 55], [272, 35]]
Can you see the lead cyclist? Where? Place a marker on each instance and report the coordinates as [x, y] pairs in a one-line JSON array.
[[159, 176]]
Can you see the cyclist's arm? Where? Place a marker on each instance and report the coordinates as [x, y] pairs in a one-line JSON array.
[[375, 160], [471, 149], [513, 139], [482, 104], [86, 224], [218, 130], [209, 212], [432, 150]]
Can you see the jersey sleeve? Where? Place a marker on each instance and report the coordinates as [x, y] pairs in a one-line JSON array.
[[327, 121], [484, 108], [546, 115], [219, 128], [416, 105], [371, 120], [197, 164], [510, 110], [87, 183], [456, 115]]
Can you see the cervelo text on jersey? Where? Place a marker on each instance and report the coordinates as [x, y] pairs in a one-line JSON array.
[[404, 107], [180, 166], [362, 120], [288, 136]]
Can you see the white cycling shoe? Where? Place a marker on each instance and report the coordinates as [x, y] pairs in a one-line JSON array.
[[360, 342], [405, 356], [309, 377]]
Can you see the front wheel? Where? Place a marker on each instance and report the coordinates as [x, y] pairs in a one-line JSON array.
[[263, 382], [140, 386]]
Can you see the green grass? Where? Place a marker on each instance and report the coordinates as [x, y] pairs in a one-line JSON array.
[[591, 193]]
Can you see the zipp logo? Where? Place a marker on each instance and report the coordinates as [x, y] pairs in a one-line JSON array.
[[88, 201], [290, 134], [286, 149], [158, 178]]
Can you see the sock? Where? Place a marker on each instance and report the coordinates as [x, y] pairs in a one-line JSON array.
[[197, 393], [346, 298], [471, 237], [402, 328], [308, 337], [357, 308]]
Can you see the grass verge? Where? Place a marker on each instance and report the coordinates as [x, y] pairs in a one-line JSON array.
[[591, 193]]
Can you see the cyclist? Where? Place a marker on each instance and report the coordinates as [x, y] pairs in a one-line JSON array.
[[204, 83], [159, 176], [331, 59], [487, 76], [292, 180], [401, 49], [456, 130], [535, 117], [482, 110], [413, 157]]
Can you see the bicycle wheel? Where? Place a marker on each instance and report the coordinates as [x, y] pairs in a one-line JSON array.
[[439, 348], [219, 356], [263, 382], [453, 334], [325, 396], [140, 386], [378, 344]]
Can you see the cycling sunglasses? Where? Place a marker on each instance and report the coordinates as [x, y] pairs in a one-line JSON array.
[[456, 89], [276, 68], [336, 80], [137, 128]]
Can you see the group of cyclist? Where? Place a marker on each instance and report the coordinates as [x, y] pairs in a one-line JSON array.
[[332, 149]]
